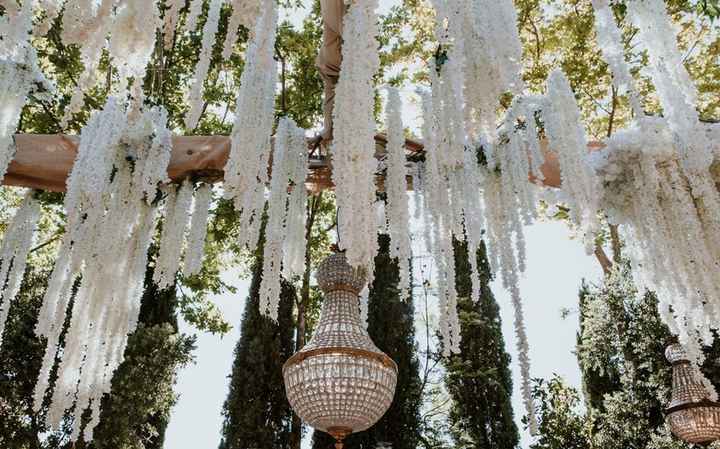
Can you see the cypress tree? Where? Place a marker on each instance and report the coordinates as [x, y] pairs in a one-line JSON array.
[[391, 326], [479, 379], [257, 413]]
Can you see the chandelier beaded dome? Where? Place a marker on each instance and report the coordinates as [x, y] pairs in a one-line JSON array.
[[340, 382], [691, 416]]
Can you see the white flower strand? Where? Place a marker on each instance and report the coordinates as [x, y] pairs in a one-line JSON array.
[[14, 251], [170, 21], [177, 218], [610, 42], [493, 53], [195, 97], [85, 23], [111, 221], [198, 230], [194, 13], [295, 246], [132, 39], [567, 137], [246, 171], [353, 145], [440, 219], [398, 215], [289, 145], [245, 13]]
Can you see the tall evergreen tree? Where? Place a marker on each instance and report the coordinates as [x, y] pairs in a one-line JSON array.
[[392, 328], [257, 413], [479, 379]]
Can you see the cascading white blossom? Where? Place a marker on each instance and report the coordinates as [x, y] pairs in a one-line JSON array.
[[610, 41], [198, 230], [440, 220], [580, 186], [397, 210], [194, 13], [245, 13], [353, 146], [246, 171], [18, 79], [364, 304], [170, 21], [16, 245], [289, 145], [110, 223], [177, 218], [132, 37], [295, 246], [493, 53], [85, 23], [195, 97], [20, 76], [657, 181]]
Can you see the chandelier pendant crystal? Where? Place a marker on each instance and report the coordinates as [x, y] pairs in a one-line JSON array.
[[340, 382], [692, 417]]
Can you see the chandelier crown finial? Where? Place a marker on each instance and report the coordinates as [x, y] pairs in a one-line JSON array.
[[334, 273]]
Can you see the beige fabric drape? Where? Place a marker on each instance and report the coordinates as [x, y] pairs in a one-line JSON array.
[[330, 57]]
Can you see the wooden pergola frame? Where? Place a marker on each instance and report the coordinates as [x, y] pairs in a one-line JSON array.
[[44, 161]]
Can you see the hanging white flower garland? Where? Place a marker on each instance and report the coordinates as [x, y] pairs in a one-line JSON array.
[[246, 171], [110, 225], [198, 230], [244, 12], [289, 144], [16, 245], [353, 145], [177, 219], [195, 97], [398, 215]]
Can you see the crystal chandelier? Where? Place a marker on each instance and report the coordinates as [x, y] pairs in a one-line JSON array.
[[340, 382], [691, 415]]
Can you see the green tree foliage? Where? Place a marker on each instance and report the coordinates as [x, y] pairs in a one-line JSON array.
[[479, 379], [626, 379], [562, 424], [391, 326], [256, 411], [137, 412]]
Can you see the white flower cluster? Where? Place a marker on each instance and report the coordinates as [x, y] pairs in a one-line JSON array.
[[245, 13], [353, 146], [478, 61], [111, 221], [246, 171], [658, 181], [132, 37], [198, 230], [19, 76], [177, 218], [610, 42], [170, 20], [14, 250], [567, 137], [397, 211], [132, 26], [493, 52], [195, 98], [439, 220], [289, 156]]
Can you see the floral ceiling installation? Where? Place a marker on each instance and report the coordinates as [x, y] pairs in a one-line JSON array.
[[656, 178]]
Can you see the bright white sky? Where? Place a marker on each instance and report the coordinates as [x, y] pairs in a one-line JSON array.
[[555, 267]]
